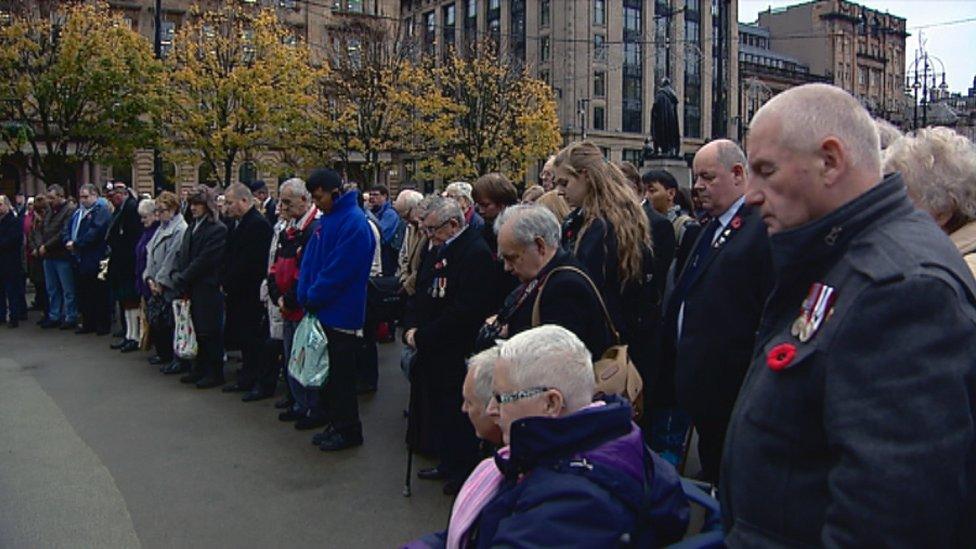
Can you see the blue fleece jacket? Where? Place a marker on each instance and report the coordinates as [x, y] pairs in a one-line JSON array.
[[335, 266], [389, 220]]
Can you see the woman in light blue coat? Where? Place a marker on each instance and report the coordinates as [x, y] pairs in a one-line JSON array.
[[160, 260]]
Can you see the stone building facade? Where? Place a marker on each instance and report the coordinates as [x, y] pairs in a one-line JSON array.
[[859, 49], [605, 59]]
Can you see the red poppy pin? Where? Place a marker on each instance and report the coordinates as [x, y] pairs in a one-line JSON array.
[[780, 356], [736, 222]]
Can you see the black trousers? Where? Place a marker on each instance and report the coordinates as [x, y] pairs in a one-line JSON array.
[[368, 362], [161, 334], [711, 439], [269, 368], [244, 324], [210, 357], [93, 302], [339, 394]]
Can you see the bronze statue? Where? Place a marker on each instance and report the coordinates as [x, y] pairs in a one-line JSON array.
[[664, 122]]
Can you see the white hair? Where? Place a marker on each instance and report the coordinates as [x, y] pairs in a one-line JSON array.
[[887, 132], [444, 209], [482, 367], [147, 206], [939, 168], [529, 222], [551, 356], [810, 113], [295, 186], [406, 200], [460, 189]]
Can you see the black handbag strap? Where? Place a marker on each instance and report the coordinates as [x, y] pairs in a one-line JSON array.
[[596, 292]]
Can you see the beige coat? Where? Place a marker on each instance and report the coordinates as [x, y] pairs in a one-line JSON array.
[[965, 241]]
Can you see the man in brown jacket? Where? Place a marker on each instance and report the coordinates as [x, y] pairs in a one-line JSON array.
[[58, 275]]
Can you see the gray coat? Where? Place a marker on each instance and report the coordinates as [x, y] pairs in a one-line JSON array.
[[161, 253], [863, 434]]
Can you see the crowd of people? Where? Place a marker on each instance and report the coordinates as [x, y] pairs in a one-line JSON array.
[[809, 310]]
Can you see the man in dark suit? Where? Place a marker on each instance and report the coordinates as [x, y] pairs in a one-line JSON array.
[[85, 238], [528, 243], [855, 424], [197, 276], [245, 266], [452, 301], [267, 205], [713, 311]]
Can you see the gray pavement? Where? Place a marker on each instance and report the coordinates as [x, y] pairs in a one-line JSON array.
[[97, 449]]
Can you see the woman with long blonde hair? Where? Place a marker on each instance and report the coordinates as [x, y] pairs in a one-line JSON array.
[[608, 233]]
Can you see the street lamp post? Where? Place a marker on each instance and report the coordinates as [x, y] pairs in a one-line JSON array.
[[925, 76], [158, 49]]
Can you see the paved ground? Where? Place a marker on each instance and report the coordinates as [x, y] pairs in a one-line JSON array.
[[97, 449]]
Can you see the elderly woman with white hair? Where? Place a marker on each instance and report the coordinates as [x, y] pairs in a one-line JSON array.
[[461, 192], [572, 469], [939, 169]]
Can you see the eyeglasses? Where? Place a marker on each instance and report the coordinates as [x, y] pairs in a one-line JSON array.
[[505, 398], [430, 230]]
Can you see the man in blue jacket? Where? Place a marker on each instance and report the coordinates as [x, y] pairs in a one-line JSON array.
[[332, 286], [84, 236], [391, 227]]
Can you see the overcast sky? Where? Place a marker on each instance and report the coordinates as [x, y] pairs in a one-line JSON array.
[[954, 44]]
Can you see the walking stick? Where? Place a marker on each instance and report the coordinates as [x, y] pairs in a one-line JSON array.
[[406, 480]]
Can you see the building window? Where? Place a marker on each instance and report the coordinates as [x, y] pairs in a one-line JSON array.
[[632, 98], [599, 118], [544, 8], [599, 12], [544, 75], [693, 74], [471, 25], [599, 48], [606, 152], [517, 31], [168, 31], [494, 20], [544, 49], [599, 84], [634, 156], [450, 22], [430, 28], [662, 41]]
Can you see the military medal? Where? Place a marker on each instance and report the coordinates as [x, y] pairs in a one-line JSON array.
[[816, 308]]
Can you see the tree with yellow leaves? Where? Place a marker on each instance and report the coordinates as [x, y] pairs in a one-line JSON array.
[[240, 81], [506, 119], [76, 84]]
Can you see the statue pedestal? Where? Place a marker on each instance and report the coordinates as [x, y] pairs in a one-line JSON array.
[[675, 166]]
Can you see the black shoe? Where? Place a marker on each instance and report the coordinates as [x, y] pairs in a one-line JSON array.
[[452, 487], [69, 325], [255, 394], [156, 360], [319, 438], [13, 324], [308, 423], [118, 344], [434, 473], [49, 324], [84, 330], [284, 403], [337, 441], [191, 378], [209, 382], [176, 367], [290, 415], [235, 388], [131, 345]]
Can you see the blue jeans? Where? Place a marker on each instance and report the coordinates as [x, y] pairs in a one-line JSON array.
[[60, 281]]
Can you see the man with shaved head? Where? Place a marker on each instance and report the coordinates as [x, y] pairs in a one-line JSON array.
[[855, 425], [713, 310]]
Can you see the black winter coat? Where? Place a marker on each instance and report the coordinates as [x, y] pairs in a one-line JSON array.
[[123, 235], [567, 300], [245, 266], [864, 436], [722, 309], [663, 243], [197, 274]]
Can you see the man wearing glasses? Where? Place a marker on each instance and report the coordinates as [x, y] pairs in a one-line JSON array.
[[453, 298]]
